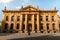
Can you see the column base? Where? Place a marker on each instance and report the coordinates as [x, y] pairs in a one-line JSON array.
[[38, 31], [32, 31], [25, 31], [20, 31]]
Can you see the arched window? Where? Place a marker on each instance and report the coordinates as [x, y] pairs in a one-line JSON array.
[[6, 26], [47, 26], [6, 18], [41, 26], [17, 26], [29, 27], [12, 18], [35, 27], [59, 27], [23, 17], [29, 17], [46, 18], [52, 18], [53, 25], [11, 27], [23, 28], [41, 18], [18, 18]]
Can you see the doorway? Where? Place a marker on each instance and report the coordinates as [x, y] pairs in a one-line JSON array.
[[29, 28]]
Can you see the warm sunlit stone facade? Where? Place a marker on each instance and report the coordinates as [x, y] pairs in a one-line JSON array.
[[30, 19]]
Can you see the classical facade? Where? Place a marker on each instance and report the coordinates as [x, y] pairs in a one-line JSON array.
[[30, 19]]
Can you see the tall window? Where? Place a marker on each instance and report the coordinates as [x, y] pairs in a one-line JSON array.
[[17, 26], [23, 28], [11, 27], [46, 18], [35, 27], [12, 18], [52, 18], [23, 17], [40, 18], [6, 18], [53, 25], [47, 26], [41, 26], [29, 17], [6, 26], [18, 18], [59, 27]]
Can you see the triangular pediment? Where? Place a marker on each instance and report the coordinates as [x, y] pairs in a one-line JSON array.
[[30, 8]]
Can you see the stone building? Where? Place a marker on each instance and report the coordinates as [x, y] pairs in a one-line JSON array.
[[30, 19]]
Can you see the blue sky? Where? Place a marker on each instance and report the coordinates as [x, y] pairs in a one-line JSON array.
[[16, 4]]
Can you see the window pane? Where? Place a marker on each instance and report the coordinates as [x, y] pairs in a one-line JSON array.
[[41, 26], [47, 26], [40, 18], [52, 18], [17, 26], [6, 18], [12, 18], [18, 18], [46, 18], [53, 26]]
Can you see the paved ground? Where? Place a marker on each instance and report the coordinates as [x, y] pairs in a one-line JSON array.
[[5, 36], [40, 38]]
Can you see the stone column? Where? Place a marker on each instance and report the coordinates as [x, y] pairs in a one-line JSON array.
[[21, 18], [33, 23], [26, 23], [38, 23], [15, 23]]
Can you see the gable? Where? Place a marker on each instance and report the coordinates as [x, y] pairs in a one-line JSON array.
[[30, 8]]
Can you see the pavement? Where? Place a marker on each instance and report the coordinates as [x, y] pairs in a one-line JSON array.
[[6, 36]]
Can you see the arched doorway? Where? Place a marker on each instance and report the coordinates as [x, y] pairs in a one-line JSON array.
[[23, 28], [17, 27], [11, 27], [35, 28], [29, 27], [5, 27]]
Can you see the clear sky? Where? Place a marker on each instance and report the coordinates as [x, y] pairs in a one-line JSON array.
[[16, 4]]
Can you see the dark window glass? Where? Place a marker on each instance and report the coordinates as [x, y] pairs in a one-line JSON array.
[[23, 17], [47, 26], [59, 27], [41, 26], [17, 26], [6, 26], [11, 27], [52, 18], [35, 26], [46, 18], [29, 18], [23, 28], [12, 18], [40, 18], [6, 18], [18, 18]]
